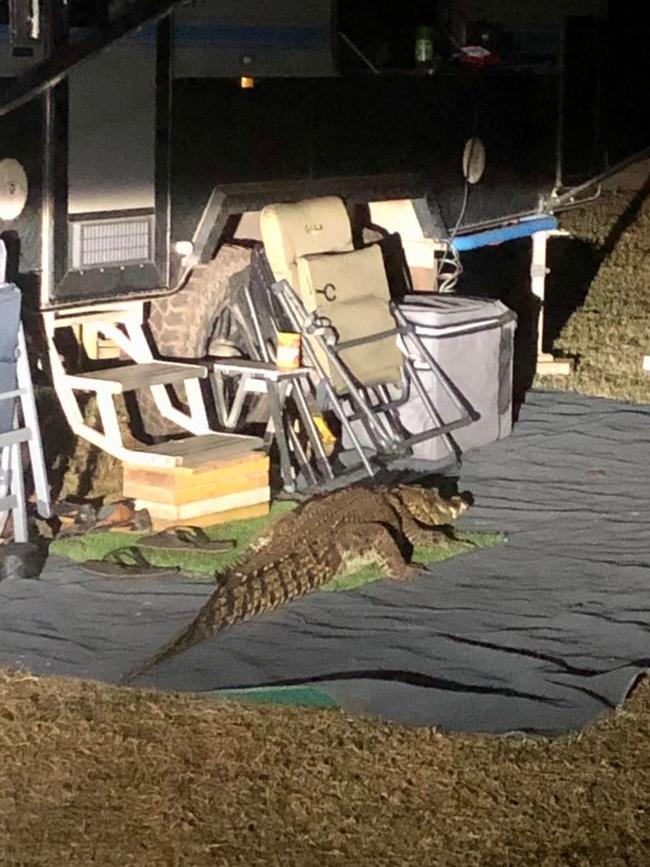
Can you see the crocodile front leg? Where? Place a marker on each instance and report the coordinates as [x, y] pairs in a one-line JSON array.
[[373, 543], [418, 535]]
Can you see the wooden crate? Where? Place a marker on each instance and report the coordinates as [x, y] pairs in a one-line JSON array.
[[214, 492]]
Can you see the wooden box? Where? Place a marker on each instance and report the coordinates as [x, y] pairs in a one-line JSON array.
[[213, 492]]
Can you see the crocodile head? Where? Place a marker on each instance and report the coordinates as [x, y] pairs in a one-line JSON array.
[[429, 507]]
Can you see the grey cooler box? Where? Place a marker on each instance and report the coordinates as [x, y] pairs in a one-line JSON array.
[[472, 341]]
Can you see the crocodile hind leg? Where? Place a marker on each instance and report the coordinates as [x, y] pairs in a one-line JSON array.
[[276, 532], [372, 543]]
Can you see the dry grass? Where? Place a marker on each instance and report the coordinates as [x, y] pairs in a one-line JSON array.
[[93, 774], [610, 333]]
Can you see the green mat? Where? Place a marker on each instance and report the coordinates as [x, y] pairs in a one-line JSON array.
[[95, 545], [292, 696], [203, 565]]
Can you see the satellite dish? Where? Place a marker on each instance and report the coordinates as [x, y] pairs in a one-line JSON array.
[[473, 160], [13, 189]]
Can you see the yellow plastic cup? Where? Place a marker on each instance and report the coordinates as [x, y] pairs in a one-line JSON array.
[[289, 350]]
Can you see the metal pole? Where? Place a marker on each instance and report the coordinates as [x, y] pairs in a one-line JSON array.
[[567, 198], [55, 25], [538, 283]]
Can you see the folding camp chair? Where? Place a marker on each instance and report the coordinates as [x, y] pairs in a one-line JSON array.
[[361, 349], [288, 406], [18, 418]]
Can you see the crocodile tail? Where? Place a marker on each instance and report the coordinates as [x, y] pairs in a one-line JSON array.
[[211, 618], [239, 597]]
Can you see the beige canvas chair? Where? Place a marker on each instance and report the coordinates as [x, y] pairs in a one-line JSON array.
[[354, 339], [309, 245]]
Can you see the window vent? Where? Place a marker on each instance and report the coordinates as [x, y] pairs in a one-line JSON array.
[[112, 242]]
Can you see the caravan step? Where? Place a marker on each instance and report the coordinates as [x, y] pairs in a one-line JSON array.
[[129, 377], [217, 478], [201, 451]]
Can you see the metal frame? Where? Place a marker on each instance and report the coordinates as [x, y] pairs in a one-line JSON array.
[[371, 421], [263, 309], [284, 388], [12, 484]]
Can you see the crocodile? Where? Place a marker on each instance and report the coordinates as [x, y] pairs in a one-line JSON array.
[[324, 538]]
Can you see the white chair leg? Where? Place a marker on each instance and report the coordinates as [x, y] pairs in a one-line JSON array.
[[19, 512], [30, 420], [5, 486], [238, 403], [219, 397], [196, 403], [177, 416], [108, 416]]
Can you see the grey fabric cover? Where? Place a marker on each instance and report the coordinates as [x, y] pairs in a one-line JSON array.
[[9, 321], [545, 632]]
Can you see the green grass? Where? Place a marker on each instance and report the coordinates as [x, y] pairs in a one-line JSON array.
[[95, 545]]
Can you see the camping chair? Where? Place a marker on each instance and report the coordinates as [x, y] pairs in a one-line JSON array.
[[18, 418], [361, 349], [284, 396]]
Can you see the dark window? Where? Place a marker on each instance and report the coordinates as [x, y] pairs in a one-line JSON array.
[[88, 13]]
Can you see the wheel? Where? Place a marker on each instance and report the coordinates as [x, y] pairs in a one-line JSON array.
[[182, 324]]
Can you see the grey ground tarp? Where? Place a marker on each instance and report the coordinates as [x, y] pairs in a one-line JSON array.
[[542, 633]]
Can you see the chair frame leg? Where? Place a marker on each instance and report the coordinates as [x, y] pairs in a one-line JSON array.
[[5, 486], [286, 468], [17, 487], [31, 422]]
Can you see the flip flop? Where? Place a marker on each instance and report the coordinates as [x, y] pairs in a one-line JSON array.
[[186, 539], [126, 562]]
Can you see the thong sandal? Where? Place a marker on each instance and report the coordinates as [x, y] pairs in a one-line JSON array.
[[126, 562], [185, 539]]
